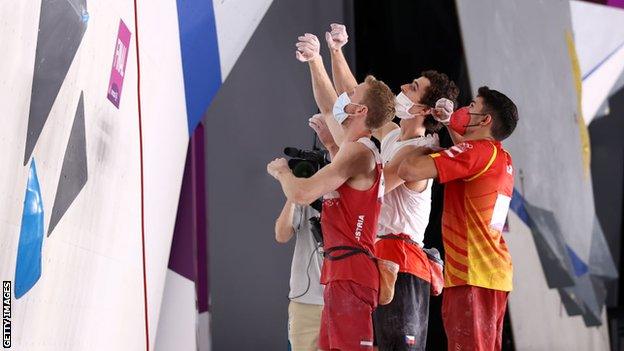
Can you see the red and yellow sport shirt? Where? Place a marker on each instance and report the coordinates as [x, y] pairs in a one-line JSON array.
[[479, 183]]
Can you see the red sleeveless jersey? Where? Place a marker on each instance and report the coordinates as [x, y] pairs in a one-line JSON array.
[[349, 218]]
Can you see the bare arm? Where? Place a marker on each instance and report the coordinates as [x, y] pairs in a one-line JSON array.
[[343, 77], [442, 113], [391, 169], [308, 49], [324, 93], [455, 137], [333, 150], [284, 230], [341, 73], [351, 159], [417, 167], [325, 97], [317, 122]]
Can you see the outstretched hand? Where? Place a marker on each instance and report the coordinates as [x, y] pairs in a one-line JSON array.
[[337, 36], [308, 47]]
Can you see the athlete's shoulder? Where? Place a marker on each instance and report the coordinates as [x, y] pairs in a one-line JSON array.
[[356, 150], [354, 146]]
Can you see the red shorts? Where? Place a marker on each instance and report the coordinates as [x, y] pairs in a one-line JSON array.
[[473, 317], [346, 321]]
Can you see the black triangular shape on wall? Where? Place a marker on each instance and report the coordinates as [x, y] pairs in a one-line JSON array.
[[74, 174], [61, 27]]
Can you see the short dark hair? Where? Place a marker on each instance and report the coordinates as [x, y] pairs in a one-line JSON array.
[[441, 87], [503, 111]]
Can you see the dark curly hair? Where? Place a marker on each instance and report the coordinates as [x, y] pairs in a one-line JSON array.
[[441, 87], [503, 111]]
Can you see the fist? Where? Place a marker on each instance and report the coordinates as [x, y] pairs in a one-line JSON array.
[[277, 166], [308, 47], [317, 122], [443, 110], [337, 36]]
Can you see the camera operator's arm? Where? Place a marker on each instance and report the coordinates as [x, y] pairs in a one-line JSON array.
[[341, 73], [317, 122], [308, 50], [284, 224], [352, 159]]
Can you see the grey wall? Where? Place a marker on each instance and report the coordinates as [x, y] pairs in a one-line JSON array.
[[607, 147], [262, 107], [519, 48]]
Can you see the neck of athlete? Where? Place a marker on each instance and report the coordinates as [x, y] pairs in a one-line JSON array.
[[412, 128], [356, 130]]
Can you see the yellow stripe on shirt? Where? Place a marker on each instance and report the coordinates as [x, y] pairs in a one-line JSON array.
[[489, 164]]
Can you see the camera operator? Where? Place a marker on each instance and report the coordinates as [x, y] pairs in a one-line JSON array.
[[306, 291]]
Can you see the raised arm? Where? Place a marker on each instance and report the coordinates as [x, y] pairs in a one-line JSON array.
[[456, 138], [343, 78], [308, 49], [317, 122], [442, 113], [352, 159], [341, 73], [284, 224]]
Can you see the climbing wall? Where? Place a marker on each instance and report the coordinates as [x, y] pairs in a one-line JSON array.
[[562, 262], [94, 140]]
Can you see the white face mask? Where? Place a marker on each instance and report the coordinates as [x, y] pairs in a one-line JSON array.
[[402, 104], [339, 108]]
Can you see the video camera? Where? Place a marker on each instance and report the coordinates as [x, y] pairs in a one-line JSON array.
[[304, 163]]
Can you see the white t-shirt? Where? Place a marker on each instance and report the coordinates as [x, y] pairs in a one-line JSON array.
[[307, 260], [404, 210]]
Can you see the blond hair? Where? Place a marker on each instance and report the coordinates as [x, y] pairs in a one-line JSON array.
[[379, 100]]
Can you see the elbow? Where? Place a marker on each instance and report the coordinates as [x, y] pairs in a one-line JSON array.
[[282, 235], [281, 238]]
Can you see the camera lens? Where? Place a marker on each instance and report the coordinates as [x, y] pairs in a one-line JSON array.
[[304, 169]]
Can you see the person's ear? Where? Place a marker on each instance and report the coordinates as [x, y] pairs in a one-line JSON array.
[[361, 109], [487, 120]]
